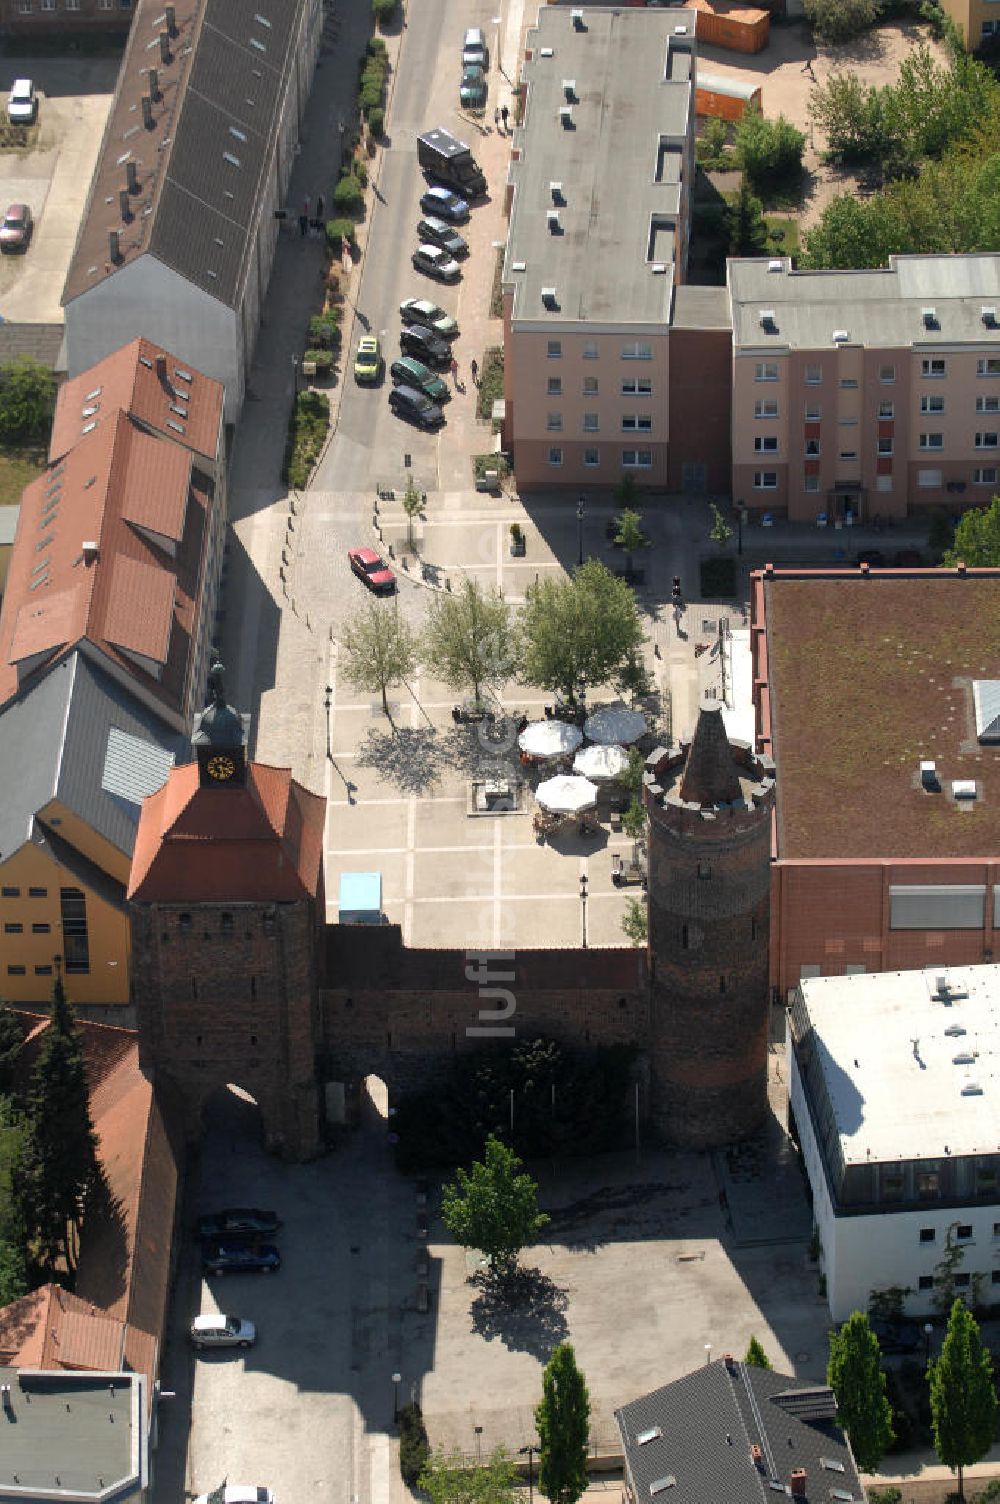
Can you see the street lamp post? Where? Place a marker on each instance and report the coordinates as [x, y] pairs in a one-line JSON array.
[[928, 1333], [579, 530], [529, 1452], [397, 1379], [295, 376], [327, 701], [583, 907]]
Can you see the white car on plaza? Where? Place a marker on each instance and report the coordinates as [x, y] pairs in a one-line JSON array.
[[22, 102], [222, 1331], [237, 1493]]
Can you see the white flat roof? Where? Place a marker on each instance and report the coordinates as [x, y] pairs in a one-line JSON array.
[[902, 1061]]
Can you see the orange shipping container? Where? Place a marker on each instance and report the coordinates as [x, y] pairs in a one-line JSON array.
[[739, 27], [726, 98]]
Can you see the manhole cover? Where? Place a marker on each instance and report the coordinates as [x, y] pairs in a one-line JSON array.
[[802, 1357]]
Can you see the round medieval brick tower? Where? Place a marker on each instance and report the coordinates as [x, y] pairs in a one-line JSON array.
[[709, 809]]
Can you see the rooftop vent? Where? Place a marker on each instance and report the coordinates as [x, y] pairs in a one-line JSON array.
[[553, 221], [775, 265], [569, 89], [549, 297], [659, 268], [170, 17], [929, 777], [797, 1482], [124, 207], [660, 1485], [519, 266], [164, 46], [545, 52], [964, 1057], [955, 1031], [963, 788], [114, 249], [680, 30], [565, 117], [971, 1089], [90, 549], [840, 336], [147, 112], [556, 191], [132, 177], [989, 316], [643, 1438], [578, 22], [767, 321], [154, 84], [930, 318]]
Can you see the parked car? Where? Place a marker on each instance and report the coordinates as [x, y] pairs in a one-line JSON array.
[[408, 371], [368, 361], [435, 231], [472, 89], [238, 1221], [426, 346], [436, 263], [372, 570], [222, 1331], [15, 231], [416, 407], [896, 1334], [444, 204], [22, 102], [422, 311], [240, 1258], [474, 48], [237, 1493]]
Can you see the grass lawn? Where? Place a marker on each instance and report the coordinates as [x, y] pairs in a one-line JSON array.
[[17, 468], [788, 244]]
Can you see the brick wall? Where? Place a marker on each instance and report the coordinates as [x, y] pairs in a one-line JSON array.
[[700, 402]]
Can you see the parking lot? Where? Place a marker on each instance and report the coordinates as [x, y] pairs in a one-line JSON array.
[[52, 175]]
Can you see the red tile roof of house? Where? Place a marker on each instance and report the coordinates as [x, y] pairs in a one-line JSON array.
[[51, 1328], [257, 844], [133, 595], [159, 391]]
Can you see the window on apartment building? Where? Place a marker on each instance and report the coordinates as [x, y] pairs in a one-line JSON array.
[[554, 422], [988, 366], [48, 4], [76, 943], [554, 349], [766, 407], [637, 386], [590, 386], [72, 4], [933, 367], [13, 929], [105, 4], [886, 410], [17, 971], [927, 1235], [38, 892], [633, 422], [887, 374], [933, 404], [928, 1185], [184, 923], [986, 440], [637, 459], [554, 386], [848, 454], [765, 480], [813, 412], [43, 971], [931, 441], [884, 446], [929, 480], [985, 475], [883, 482], [765, 370], [926, 1281], [555, 456], [847, 422], [811, 483], [41, 929], [590, 350], [995, 1276], [812, 448], [23, 9], [988, 29], [963, 1232], [590, 423], [10, 892], [847, 383], [988, 404], [637, 350], [227, 924], [962, 1281], [591, 458], [766, 443], [124, 4], [891, 1183], [814, 375], [986, 1179]]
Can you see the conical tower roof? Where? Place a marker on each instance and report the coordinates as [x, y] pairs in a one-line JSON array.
[[710, 775]]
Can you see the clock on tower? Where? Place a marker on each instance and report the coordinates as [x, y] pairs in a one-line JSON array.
[[219, 740]]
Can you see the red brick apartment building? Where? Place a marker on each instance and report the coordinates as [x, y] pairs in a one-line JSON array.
[[877, 693]]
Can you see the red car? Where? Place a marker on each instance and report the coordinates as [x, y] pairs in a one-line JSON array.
[[372, 569], [15, 232]]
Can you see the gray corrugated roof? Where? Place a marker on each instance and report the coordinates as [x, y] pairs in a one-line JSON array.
[[881, 309], [709, 1420], [630, 91], [80, 737]]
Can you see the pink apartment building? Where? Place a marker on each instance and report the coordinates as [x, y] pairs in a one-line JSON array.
[[864, 394]]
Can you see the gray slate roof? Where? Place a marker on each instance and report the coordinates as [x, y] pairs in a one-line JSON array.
[[709, 1421], [79, 737]]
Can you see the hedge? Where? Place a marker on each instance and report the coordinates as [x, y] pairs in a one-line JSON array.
[[307, 430], [348, 196], [337, 231]]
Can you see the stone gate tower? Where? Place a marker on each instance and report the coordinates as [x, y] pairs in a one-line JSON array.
[[227, 910], [709, 809]]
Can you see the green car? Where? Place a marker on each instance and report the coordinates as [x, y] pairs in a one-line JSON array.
[[472, 91], [409, 372], [368, 361]]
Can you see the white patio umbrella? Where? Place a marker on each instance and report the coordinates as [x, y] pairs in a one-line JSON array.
[[566, 794], [600, 762], [549, 739], [615, 723]]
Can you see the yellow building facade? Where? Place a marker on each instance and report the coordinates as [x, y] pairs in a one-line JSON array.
[[978, 20]]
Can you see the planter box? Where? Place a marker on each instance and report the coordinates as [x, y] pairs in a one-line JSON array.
[[309, 368], [488, 481], [518, 547]]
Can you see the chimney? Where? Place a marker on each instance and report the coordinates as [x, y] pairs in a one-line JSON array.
[[164, 46], [147, 112], [756, 1455], [170, 16], [113, 247], [154, 84], [797, 1483], [132, 176], [90, 550], [727, 1358], [161, 373], [124, 205]]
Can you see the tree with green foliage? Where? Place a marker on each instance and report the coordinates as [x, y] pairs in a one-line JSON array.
[[414, 1447], [710, 147], [562, 1419], [380, 651], [837, 21], [14, 1137], [769, 151], [578, 631], [856, 118], [635, 921], [633, 678], [447, 1478], [756, 1357], [977, 538], [963, 1399], [494, 1207], [27, 401], [720, 532], [412, 502], [745, 223], [852, 232], [634, 819], [854, 1373], [11, 1042], [470, 641], [61, 1151], [629, 534]]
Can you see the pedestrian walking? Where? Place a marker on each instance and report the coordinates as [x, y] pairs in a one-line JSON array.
[[503, 116], [306, 205], [496, 116], [303, 225], [454, 370], [320, 206], [474, 368]]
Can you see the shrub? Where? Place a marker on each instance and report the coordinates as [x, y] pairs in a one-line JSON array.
[[890, 1495], [323, 328], [376, 120], [840, 20], [490, 382], [27, 400], [377, 48], [322, 358], [307, 429], [384, 11], [348, 196], [414, 1448], [769, 151], [361, 173], [337, 231]]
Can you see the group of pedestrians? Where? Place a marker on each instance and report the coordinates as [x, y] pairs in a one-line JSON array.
[[306, 214], [501, 115]]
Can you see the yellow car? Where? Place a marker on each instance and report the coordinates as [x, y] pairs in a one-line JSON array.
[[368, 361]]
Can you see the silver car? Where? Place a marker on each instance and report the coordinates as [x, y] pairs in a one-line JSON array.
[[435, 262], [222, 1331]]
